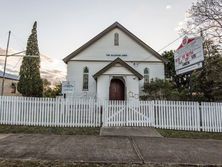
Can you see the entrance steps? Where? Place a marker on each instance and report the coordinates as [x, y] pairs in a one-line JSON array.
[[129, 131]]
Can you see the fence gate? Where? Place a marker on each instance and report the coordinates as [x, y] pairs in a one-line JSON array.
[[128, 113]]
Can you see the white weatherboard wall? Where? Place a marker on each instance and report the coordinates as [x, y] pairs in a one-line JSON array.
[[99, 49], [132, 88], [103, 87], [75, 73], [95, 58]]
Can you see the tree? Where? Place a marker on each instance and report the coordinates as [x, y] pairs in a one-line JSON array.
[[162, 90], [181, 81], [58, 89], [169, 67], [211, 49], [206, 82], [209, 79], [30, 82], [206, 16], [51, 90], [47, 90]]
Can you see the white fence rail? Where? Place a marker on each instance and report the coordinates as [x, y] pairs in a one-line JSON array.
[[211, 114], [49, 112], [176, 115], [128, 113]]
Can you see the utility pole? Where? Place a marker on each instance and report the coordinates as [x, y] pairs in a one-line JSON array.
[[6, 55]]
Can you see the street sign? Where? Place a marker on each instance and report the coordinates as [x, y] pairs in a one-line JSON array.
[[189, 56], [67, 87]]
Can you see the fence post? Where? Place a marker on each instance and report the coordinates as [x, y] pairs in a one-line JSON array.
[[104, 116], [197, 116], [152, 114], [200, 117], [101, 115]]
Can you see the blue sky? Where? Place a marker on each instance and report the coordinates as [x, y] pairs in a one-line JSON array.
[[64, 25]]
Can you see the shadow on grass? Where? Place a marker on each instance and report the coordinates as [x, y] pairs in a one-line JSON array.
[[189, 134], [49, 130], [33, 163]]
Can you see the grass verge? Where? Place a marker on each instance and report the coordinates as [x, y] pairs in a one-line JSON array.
[[48, 130], [189, 134], [35, 163]]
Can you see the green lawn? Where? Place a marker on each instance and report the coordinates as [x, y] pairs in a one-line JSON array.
[[95, 131], [39, 163], [48, 130], [189, 134]]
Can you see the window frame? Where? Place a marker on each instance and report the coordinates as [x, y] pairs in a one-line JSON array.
[[85, 83], [146, 75], [116, 39]]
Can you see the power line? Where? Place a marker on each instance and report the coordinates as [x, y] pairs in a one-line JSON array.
[[18, 55], [17, 62], [170, 43], [181, 37], [2, 36], [5, 62], [22, 48], [21, 43]]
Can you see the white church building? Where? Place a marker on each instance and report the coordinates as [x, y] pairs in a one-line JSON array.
[[114, 65]]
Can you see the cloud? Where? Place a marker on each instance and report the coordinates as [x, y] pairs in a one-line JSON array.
[[168, 7], [52, 69]]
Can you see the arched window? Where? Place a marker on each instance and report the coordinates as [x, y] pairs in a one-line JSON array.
[[85, 79], [116, 39], [146, 75]]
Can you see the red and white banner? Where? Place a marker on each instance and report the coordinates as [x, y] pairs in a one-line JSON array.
[[189, 56]]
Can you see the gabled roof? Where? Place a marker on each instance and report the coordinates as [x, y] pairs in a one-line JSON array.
[[124, 64], [100, 35], [9, 76]]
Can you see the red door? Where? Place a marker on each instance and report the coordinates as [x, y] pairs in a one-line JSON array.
[[116, 90]]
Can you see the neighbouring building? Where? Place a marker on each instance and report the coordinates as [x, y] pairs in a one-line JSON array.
[[10, 85], [114, 65]]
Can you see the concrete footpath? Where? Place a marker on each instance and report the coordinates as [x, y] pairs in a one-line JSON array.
[[129, 131], [111, 149]]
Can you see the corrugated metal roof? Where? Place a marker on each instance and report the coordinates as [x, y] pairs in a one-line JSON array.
[[9, 76]]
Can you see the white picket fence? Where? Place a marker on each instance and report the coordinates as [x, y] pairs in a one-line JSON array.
[[178, 115], [128, 113], [49, 112], [211, 114], [61, 112]]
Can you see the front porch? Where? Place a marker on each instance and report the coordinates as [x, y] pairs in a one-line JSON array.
[[118, 81]]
